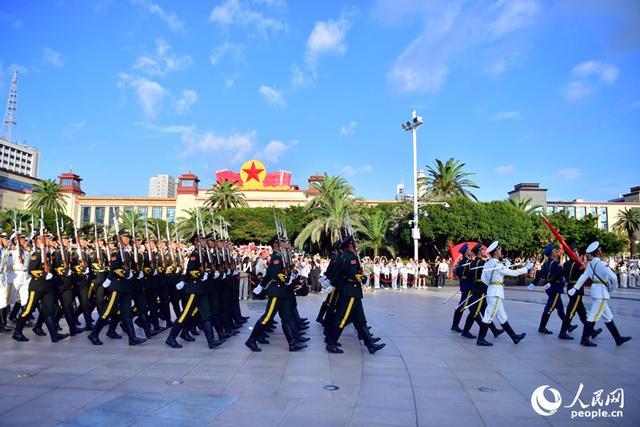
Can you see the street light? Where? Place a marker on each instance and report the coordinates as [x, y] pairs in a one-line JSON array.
[[413, 127]]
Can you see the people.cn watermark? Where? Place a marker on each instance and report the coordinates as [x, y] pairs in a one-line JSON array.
[[600, 406]]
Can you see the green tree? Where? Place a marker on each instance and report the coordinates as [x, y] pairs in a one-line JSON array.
[[446, 180], [187, 225], [224, 195], [629, 223], [128, 219], [46, 194], [525, 205], [374, 232]]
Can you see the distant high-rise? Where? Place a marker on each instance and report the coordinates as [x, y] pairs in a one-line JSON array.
[[19, 158], [162, 186]]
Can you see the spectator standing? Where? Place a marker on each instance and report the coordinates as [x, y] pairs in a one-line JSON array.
[[443, 270]]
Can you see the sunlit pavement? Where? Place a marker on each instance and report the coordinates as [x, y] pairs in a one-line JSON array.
[[426, 375]]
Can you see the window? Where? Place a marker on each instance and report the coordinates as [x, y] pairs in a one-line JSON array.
[[128, 209], [143, 212], [187, 183], [593, 211], [66, 182], [171, 215], [549, 209], [99, 213], [85, 215], [114, 212], [603, 219], [156, 212], [571, 210], [582, 211], [560, 209]]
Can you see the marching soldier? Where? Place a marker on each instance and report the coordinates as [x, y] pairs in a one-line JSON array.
[[603, 280], [5, 285], [553, 275], [478, 302], [41, 293], [349, 305], [276, 282], [64, 265], [465, 278], [493, 274], [572, 272], [326, 282]]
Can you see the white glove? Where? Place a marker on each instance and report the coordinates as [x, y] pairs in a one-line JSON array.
[[571, 292], [130, 276], [224, 276], [216, 274], [49, 276], [180, 285], [228, 272], [155, 272], [507, 262], [106, 283], [258, 289], [86, 270], [235, 273], [205, 276], [528, 265], [329, 289], [531, 286], [547, 286], [141, 275], [68, 273]]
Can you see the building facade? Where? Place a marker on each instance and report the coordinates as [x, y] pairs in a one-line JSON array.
[[162, 186], [19, 158], [605, 213]]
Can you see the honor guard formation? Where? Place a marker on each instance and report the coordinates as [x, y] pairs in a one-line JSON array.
[[192, 287]]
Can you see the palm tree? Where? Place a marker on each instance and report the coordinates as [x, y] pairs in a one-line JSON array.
[[130, 218], [187, 225], [524, 205], [446, 180], [48, 195], [224, 195], [333, 198], [629, 222], [374, 228]]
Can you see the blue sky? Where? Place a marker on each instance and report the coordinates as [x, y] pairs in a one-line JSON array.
[[520, 90]]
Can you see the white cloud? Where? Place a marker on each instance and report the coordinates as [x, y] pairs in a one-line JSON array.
[[272, 96], [11, 21], [327, 37], [505, 115], [576, 91], [513, 14], [278, 4], [230, 81], [349, 128], [70, 131], [162, 61], [449, 31], [150, 94], [504, 170], [234, 147], [608, 73], [569, 174], [273, 151], [188, 98], [169, 18], [235, 12], [350, 171], [299, 78], [52, 57], [233, 50]]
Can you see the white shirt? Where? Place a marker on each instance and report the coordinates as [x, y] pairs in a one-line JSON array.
[[493, 274], [443, 267], [598, 271]]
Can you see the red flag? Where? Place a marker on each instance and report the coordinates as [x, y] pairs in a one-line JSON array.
[[560, 239]]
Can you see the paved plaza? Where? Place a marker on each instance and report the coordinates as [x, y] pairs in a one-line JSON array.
[[426, 375]]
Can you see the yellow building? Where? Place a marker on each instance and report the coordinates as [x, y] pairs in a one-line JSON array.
[[15, 189]]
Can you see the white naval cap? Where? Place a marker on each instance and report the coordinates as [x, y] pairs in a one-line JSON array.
[[592, 247], [492, 247]]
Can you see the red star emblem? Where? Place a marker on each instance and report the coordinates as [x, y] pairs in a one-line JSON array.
[[253, 172]]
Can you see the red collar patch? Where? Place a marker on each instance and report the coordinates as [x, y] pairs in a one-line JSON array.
[[353, 261]]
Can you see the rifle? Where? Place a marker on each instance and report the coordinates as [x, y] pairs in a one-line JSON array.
[[215, 239], [43, 254], [134, 243], [95, 236], [224, 258], [32, 226], [81, 257], [349, 229], [15, 223], [173, 255], [119, 239], [64, 257], [158, 237], [146, 235], [106, 242]]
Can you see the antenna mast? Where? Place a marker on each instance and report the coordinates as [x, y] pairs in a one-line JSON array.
[[12, 102]]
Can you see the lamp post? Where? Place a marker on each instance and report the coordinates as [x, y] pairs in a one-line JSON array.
[[415, 230]]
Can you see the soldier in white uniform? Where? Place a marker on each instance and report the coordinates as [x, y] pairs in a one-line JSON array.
[[20, 258], [603, 280], [493, 274], [5, 286]]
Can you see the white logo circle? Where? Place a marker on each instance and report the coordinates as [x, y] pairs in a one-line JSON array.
[[541, 405]]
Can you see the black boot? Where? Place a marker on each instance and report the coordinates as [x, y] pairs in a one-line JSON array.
[[263, 338], [37, 329], [484, 328], [219, 327], [88, 321], [515, 337], [3, 320], [455, 325], [111, 332], [171, 339], [146, 327], [258, 330], [53, 331], [586, 333], [207, 329], [495, 331], [323, 310], [70, 318], [467, 325], [129, 329], [289, 335], [543, 324], [596, 332], [17, 333], [368, 341], [94, 336], [616, 335], [14, 312]]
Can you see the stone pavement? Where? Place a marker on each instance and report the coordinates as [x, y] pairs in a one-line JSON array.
[[426, 375]]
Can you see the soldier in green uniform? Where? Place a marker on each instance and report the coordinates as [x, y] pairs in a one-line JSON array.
[[119, 283], [41, 293], [349, 306], [278, 302], [478, 292]]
